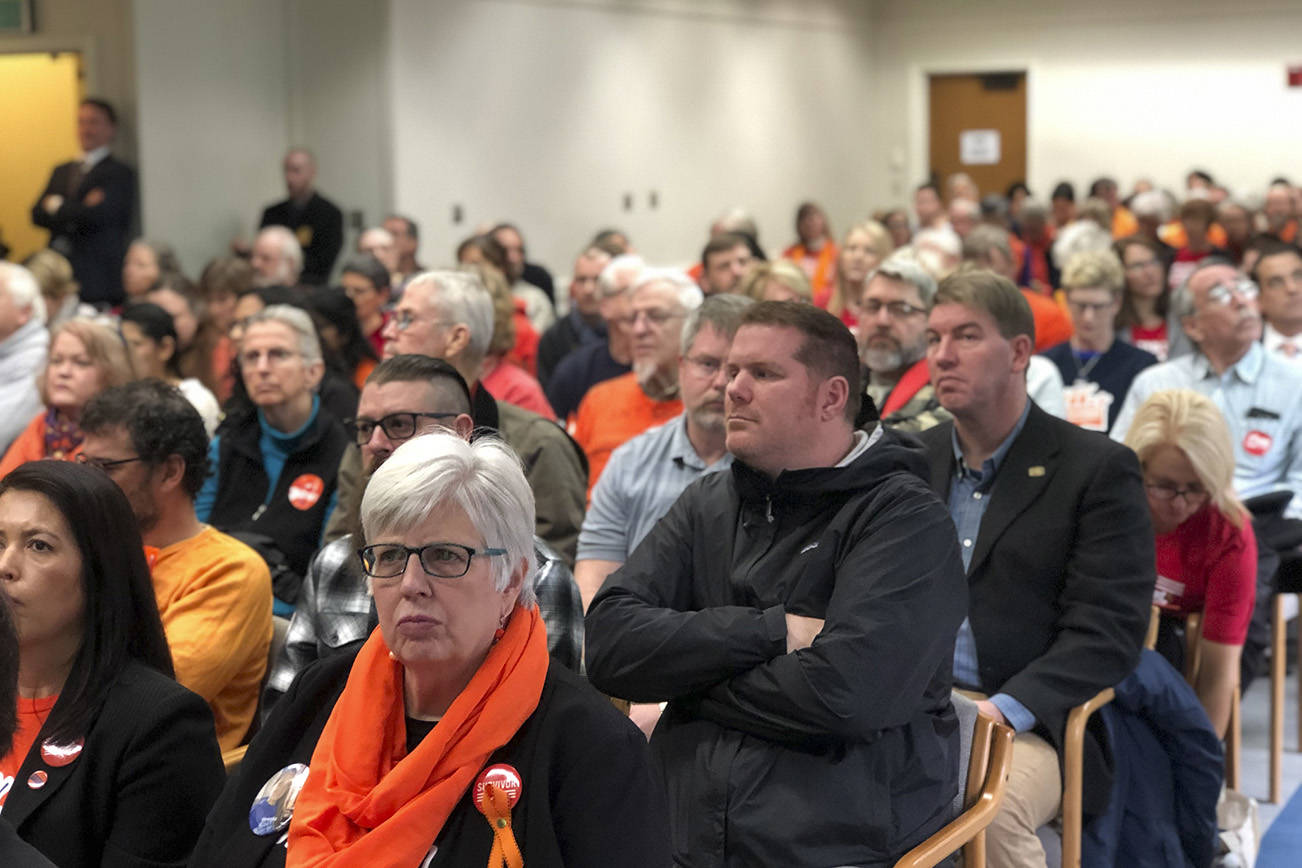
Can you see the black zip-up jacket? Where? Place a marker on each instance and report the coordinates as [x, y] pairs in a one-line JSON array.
[[843, 753]]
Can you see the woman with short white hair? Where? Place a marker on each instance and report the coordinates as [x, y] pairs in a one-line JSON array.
[[447, 739]]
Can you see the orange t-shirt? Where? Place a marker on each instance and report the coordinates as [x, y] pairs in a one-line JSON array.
[[819, 267], [31, 717], [1052, 324], [1124, 223], [611, 414], [1173, 234]]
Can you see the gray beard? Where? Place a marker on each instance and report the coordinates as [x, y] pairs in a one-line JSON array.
[[656, 384]]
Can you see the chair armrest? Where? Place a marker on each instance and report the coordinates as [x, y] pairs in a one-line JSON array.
[[1073, 755]]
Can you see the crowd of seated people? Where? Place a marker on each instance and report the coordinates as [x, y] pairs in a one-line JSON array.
[[774, 508]]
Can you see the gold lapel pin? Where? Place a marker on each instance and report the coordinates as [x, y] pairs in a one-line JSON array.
[[1037, 470]]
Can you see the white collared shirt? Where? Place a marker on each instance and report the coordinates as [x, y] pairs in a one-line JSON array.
[[1274, 343], [91, 158]]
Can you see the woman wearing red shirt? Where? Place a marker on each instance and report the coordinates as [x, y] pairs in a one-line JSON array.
[[1206, 552]]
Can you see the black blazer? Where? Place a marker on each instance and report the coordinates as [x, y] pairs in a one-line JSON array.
[[93, 237], [16, 853], [137, 794], [588, 800], [1061, 579], [319, 228]]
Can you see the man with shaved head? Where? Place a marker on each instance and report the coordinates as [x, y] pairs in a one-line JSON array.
[[317, 223]]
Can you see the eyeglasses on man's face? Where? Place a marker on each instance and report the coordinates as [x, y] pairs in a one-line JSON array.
[[396, 426], [106, 464], [1223, 294], [897, 309]]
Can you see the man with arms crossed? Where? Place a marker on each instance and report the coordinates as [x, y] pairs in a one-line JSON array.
[[798, 614]]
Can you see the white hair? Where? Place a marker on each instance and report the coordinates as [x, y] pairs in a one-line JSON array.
[[686, 291], [460, 297], [296, 320], [966, 207], [1153, 204], [1079, 236], [903, 266], [483, 478], [24, 291], [377, 232], [291, 252], [619, 274]]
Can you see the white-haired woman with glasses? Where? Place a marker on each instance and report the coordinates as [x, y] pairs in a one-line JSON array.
[[1206, 551], [447, 736]]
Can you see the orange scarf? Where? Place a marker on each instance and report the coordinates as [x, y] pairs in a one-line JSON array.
[[364, 802]]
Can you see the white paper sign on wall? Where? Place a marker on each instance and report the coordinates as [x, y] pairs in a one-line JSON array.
[[978, 147]]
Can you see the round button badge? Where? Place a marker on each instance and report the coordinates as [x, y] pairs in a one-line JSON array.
[[60, 755], [274, 805], [503, 777], [38, 779]]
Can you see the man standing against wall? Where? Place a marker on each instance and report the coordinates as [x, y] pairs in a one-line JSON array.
[[316, 222], [87, 206]]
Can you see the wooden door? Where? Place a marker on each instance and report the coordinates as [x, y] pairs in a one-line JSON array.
[[978, 126], [38, 122]]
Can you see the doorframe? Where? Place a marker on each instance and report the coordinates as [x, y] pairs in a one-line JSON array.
[[919, 110], [59, 44]]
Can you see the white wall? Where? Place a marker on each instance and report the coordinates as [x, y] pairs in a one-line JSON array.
[[547, 113], [225, 88], [213, 98], [1117, 87]]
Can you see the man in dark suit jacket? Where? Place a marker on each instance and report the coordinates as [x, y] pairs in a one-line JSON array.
[[87, 207], [316, 222], [1055, 534]]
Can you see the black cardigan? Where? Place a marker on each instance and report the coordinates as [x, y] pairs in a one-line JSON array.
[[588, 797]]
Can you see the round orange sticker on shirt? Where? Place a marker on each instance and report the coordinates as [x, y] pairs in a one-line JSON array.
[[305, 491]]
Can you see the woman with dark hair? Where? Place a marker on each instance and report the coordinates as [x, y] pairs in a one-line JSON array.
[[1142, 318], [366, 281], [347, 350], [114, 763], [150, 336], [147, 263], [815, 251], [223, 281]]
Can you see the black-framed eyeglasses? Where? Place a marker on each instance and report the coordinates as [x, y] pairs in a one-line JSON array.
[[396, 426], [898, 309], [1167, 491], [106, 465], [444, 560]]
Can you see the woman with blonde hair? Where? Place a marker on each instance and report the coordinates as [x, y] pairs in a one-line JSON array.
[[781, 280], [85, 359], [1206, 551], [865, 247]]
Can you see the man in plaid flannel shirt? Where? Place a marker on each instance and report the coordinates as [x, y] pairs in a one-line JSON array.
[[405, 396]]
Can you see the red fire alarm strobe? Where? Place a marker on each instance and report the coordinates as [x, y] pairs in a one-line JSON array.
[[1295, 76]]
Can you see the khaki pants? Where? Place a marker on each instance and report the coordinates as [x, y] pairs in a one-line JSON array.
[[1033, 799]]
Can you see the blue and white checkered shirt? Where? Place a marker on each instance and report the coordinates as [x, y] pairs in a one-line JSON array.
[[968, 499], [1261, 399], [641, 481]]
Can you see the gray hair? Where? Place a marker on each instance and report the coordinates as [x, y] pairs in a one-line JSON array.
[[1153, 204], [24, 291], [738, 219], [461, 298], [723, 313], [1079, 236], [1182, 301], [483, 478], [619, 274], [1033, 209], [904, 267], [686, 291], [290, 250], [983, 239], [298, 321]]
